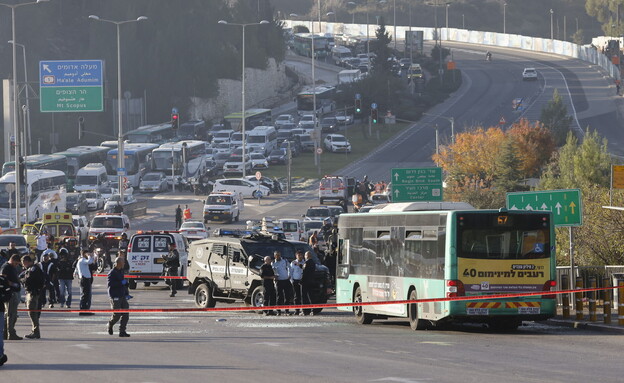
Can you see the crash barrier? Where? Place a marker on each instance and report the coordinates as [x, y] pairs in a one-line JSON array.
[[136, 209], [586, 53], [565, 298], [595, 294], [335, 305]]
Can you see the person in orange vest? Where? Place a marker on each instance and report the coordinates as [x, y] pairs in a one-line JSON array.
[[187, 213]]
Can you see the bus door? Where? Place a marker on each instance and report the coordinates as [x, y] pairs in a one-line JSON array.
[[343, 290]]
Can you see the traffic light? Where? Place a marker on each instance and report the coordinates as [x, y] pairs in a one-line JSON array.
[[80, 127], [358, 105], [374, 115], [12, 148], [175, 121], [22, 171]]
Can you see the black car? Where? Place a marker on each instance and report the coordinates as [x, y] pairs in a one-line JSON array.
[[405, 63], [277, 156], [329, 124], [283, 135], [294, 148], [77, 203]]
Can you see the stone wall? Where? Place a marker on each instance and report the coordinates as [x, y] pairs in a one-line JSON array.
[[263, 89]]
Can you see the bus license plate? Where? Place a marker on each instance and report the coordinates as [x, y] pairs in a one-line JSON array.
[[473, 311], [528, 310]]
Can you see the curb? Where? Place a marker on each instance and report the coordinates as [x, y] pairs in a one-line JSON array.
[[592, 326]]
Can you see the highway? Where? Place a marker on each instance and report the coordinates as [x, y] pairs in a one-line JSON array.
[[332, 347]]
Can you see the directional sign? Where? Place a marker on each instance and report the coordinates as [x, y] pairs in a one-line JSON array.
[[565, 204], [420, 184], [373, 106], [71, 86], [618, 176], [121, 171]]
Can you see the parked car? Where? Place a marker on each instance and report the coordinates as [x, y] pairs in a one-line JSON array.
[[236, 165], [77, 203], [283, 135], [153, 182], [240, 185], [337, 143], [329, 124], [294, 147], [344, 118], [6, 223], [283, 119], [258, 161], [307, 143], [277, 156], [306, 121], [267, 182], [95, 200], [18, 239], [193, 230]]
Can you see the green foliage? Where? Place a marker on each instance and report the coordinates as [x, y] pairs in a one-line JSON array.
[[578, 37], [506, 171], [435, 53], [380, 47], [605, 11], [577, 165], [555, 117]]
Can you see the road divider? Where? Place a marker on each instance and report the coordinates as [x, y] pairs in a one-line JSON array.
[[333, 305]]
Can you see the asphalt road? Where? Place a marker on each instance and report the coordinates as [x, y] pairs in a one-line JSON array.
[[330, 347]]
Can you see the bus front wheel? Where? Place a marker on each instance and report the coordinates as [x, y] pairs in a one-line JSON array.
[[415, 322], [360, 315]]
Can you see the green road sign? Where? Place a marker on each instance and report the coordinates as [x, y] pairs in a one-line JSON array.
[[72, 99], [71, 86], [565, 204], [410, 193], [419, 184]]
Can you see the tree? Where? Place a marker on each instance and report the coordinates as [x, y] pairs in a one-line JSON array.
[[555, 117], [605, 11], [380, 46], [506, 171], [534, 146], [578, 37]]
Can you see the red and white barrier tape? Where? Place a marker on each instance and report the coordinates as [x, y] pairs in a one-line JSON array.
[[327, 305]]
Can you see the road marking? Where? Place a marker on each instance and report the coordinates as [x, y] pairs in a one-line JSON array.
[[438, 343], [83, 346], [271, 344], [280, 325], [403, 380]]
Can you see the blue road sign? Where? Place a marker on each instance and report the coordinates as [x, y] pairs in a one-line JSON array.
[[373, 106], [358, 96], [71, 73], [174, 110]]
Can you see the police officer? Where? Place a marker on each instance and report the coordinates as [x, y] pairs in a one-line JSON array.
[[268, 276], [33, 279], [282, 281], [307, 280], [171, 265], [117, 294], [296, 273], [178, 217]]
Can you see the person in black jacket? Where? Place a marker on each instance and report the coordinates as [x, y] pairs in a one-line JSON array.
[[307, 280], [171, 265], [10, 272], [117, 294], [268, 277], [66, 278], [33, 279]]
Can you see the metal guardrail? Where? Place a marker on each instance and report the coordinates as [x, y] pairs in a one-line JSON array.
[[587, 272]]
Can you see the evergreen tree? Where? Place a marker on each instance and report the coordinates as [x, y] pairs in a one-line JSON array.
[[380, 46], [506, 171], [555, 117]]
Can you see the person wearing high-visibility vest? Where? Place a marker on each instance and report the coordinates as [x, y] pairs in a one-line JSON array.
[[187, 213]]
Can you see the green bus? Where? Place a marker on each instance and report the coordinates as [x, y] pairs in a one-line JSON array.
[[253, 118], [151, 134], [79, 156], [428, 250], [39, 161], [302, 45]]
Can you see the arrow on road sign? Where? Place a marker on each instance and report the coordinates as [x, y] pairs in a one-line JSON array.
[[558, 207], [528, 207], [544, 207], [46, 68], [572, 206]]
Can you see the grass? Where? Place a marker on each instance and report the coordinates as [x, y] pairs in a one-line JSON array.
[[361, 145]]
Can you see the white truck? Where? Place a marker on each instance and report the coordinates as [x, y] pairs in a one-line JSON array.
[[348, 76], [223, 206]]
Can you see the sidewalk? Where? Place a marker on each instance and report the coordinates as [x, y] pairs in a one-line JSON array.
[[585, 324]]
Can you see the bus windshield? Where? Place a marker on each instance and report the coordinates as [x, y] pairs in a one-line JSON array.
[[501, 236]]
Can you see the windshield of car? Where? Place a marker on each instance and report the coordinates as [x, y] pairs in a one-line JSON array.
[[283, 117], [107, 223], [5, 223], [73, 198], [218, 200], [276, 152], [151, 177], [289, 227], [263, 249], [86, 180], [257, 156], [222, 135], [318, 212], [192, 225], [307, 117], [312, 225], [338, 139], [329, 120], [18, 239], [90, 195]]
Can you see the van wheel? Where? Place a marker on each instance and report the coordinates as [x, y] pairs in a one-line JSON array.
[[132, 285], [412, 309], [360, 316], [203, 297], [257, 298], [321, 201], [146, 284]]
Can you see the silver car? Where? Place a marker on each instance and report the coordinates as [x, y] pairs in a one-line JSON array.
[[153, 182]]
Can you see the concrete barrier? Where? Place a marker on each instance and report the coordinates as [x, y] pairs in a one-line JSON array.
[[136, 209]]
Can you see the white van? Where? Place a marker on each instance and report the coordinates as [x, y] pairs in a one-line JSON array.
[[339, 53], [145, 251], [292, 228], [91, 177], [262, 139]]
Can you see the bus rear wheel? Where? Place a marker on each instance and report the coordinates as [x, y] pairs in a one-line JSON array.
[[415, 322], [360, 315]]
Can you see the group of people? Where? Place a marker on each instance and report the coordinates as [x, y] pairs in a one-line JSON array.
[[283, 281], [181, 215]]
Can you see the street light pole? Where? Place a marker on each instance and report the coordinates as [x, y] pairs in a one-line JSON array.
[[394, 22], [449, 119], [504, 17], [447, 12], [551, 24], [243, 131], [120, 145], [15, 114], [27, 149]]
